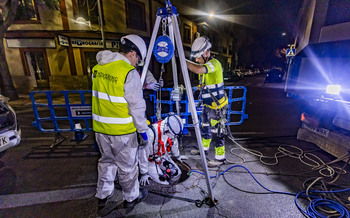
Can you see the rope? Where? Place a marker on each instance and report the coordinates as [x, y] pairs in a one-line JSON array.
[[308, 159]]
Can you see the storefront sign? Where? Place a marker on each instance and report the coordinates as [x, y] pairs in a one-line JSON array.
[[31, 43], [63, 40], [93, 43]]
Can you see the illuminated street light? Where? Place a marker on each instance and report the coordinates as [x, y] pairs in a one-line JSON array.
[[284, 34], [211, 14], [82, 21]]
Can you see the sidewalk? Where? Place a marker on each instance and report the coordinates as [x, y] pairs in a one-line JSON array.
[[236, 192], [71, 167]]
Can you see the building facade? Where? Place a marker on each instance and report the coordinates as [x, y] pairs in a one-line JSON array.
[[55, 49]]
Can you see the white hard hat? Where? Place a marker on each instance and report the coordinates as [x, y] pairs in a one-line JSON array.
[[199, 46], [138, 44]]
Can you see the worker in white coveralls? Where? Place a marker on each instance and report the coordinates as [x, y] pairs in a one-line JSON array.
[[213, 96], [118, 112], [155, 158]]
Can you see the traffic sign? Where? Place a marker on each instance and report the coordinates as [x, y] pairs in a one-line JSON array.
[[290, 53]]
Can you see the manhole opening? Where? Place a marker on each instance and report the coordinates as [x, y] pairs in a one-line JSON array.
[[185, 169]]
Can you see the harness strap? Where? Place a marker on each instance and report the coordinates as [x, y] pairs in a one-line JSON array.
[[168, 148], [160, 142], [161, 147]]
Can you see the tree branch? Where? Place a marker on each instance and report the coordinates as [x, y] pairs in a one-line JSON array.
[[10, 16]]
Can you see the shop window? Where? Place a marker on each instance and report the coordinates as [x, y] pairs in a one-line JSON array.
[[89, 61], [27, 11], [135, 15], [87, 9], [187, 34], [36, 66]]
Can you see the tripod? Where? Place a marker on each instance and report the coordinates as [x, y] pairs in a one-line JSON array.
[[170, 14]]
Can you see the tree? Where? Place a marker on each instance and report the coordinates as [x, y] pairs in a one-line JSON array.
[[8, 10]]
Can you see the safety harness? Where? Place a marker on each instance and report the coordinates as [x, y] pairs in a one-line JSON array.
[[161, 147], [220, 106], [168, 169]]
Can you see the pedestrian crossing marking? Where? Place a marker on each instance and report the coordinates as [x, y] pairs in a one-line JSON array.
[[290, 53]]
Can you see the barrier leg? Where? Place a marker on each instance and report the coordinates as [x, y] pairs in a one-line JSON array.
[[79, 133], [59, 138]]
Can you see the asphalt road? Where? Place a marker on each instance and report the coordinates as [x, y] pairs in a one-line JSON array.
[[39, 181]]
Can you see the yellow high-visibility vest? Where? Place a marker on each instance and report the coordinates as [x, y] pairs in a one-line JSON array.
[[214, 84], [110, 113]]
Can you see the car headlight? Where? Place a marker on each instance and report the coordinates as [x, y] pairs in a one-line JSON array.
[[4, 100], [333, 89]]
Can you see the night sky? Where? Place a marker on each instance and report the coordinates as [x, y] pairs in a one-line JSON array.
[[264, 20]]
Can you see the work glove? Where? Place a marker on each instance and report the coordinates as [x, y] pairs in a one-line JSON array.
[[144, 179], [153, 86], [195, 88], [142, 139], [161, 82]]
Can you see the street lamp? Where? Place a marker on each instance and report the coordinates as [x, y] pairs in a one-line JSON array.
[[82, 21]]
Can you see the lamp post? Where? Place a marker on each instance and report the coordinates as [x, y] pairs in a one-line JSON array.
[[101, 23]]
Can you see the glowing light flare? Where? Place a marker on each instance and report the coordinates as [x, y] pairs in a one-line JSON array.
[[82, 21], [245, 20], [333, 89], [315, 61]]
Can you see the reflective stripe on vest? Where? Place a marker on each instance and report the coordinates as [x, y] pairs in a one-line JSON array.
[[110, 111], [105, 96], [112, 120], [214, 83]]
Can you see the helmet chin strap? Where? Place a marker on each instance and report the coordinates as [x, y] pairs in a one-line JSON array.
[[205, 59]]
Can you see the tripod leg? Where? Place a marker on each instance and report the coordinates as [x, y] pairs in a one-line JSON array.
[[173, 63], [176, 86], [150, 49], [191, 102]]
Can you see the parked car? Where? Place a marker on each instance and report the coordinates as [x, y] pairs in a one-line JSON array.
[[10, 133], [247, 72], [274, 75], [232, 76], [239, 74]]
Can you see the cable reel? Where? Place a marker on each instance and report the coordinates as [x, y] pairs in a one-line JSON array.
[[163, 48]]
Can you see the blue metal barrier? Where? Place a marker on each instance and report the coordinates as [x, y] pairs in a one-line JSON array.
[[185, 114], [75, 113]]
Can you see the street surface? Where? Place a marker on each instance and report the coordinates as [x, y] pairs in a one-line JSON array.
[[39, 181]]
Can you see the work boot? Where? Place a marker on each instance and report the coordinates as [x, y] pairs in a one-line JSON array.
[[142, 195], [197, 152], [216, 163], [106, 205]]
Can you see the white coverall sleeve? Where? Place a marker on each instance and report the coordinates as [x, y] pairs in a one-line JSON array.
[[175, 148], [136, 104], [150, 78], [145, 151]]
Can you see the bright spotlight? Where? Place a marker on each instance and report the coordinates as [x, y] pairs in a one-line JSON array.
[[333, 89], [284, 34], [211, 14]]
